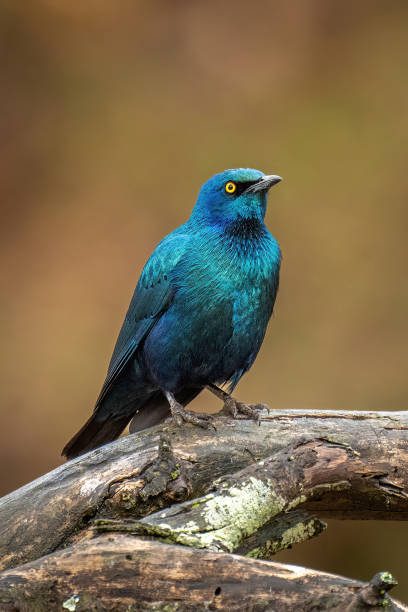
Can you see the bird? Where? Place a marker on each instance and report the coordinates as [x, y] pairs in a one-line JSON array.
[[198, 315]]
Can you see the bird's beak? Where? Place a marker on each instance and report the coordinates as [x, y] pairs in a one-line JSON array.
[[265, 183]]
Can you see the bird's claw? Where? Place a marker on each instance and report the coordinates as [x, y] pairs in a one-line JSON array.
[[239, 410], [181, 415]]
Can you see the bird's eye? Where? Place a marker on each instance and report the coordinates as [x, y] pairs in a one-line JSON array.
[[230, 187]]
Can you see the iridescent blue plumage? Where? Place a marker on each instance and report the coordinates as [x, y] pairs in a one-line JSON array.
[[199, 312]]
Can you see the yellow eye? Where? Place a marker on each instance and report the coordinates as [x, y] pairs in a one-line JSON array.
[[230, 187]]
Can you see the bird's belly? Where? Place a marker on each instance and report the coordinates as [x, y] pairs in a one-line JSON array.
[[205, 340]]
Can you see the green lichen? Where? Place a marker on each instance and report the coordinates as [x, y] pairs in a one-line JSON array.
[[71, 603], [176, 472], [345, 445], [298, 533], [388, 578], [384, 603], [223, 521]]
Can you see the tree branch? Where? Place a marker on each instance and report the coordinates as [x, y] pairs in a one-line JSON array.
[[126, 478], [124, 573], [242, 504], [241, 488]]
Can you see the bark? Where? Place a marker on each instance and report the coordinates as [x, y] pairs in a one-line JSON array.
[[130, 574], [242, 488], [248, 500]]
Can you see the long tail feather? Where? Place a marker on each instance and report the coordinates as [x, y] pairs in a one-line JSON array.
[[103, 427], [97, 430]]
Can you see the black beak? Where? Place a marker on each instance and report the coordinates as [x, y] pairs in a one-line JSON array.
[[265, 183]]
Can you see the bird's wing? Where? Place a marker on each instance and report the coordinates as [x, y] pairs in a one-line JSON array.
[[151, 298]]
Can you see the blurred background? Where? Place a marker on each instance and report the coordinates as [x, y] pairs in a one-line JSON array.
[[113, 114]]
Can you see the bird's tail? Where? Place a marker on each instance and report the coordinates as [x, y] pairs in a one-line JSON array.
[[103, 426], [99, 429]]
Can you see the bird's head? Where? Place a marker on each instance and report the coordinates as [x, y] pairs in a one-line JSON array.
[[241, 192]]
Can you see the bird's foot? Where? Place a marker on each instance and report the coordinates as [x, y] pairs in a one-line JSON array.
[[239, 410], [181, 415]]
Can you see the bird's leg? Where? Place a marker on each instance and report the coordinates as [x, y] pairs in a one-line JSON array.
[[237, 409], [181, 415]]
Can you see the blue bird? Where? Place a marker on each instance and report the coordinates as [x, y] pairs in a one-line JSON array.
[[197, 317]]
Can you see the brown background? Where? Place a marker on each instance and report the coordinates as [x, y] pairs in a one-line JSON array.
[[113, 114]]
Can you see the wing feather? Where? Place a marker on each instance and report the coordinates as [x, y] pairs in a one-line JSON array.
[[153, 295]]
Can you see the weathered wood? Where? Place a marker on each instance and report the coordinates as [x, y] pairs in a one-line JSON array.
[[272, 537], [244, 503], [123, 573], [126, 478]]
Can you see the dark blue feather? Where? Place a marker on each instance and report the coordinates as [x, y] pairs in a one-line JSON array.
[[199, 312]]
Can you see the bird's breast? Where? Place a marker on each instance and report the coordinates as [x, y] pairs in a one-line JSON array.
[[223, 298], [233, 261], [228, 280]]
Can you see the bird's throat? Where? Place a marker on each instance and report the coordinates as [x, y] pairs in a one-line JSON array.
[[245, 229]]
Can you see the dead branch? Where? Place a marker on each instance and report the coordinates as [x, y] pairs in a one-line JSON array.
[[241, 488], [124, 573]]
